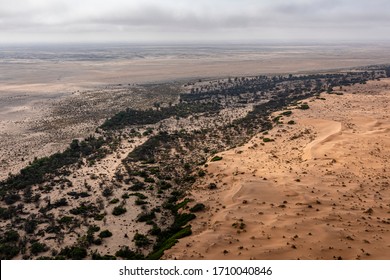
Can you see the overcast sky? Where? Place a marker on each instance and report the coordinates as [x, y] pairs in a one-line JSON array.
[[193, 20]]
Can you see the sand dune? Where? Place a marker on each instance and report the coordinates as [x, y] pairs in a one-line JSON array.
[[319, 191]]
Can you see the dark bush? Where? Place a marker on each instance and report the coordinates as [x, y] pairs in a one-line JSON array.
[[97, 256], [115, 200], [198, 207], [265, 140], [304, 107], [107, 192], [11, 198], [37, 248], [144, 217], [119, 210], [216, 158], [74, 253], [8, 251], [11, 236], [127, 254], [141, 240], [105, 234]]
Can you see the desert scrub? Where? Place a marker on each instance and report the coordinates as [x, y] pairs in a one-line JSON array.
[[265, 140], [127, 254], [286, 113], [216, 158], [304, 107], [198, 207], [114, 201], [119, 210], [74, 253], [105, 234], [37, 248], [141, 240]]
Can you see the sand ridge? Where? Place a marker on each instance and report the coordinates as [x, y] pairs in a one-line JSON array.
[[320, 190]]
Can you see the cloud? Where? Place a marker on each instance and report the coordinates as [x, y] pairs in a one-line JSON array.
[[218, 19]]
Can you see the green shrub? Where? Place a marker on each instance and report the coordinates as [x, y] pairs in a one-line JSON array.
[[265, 140], [115, 200], [119, 210], [149, 180], [304, 107], [99, 217], [287, 113], [65, 220], [216, 158], [105, 234], [139, 195], [140, 202], [198, 207], [74, 253], [37, 248], [125, 196], [8, 251], [97, 256], [141, 240], [11, 236], [144, 217], [127, 254]]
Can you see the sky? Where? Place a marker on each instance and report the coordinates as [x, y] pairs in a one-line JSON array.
[[60, 21]]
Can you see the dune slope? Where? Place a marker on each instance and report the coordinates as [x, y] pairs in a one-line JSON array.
[[320, 190]]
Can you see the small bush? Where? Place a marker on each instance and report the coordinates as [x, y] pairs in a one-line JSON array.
[[265, 140], [11, 236], [97, 256], [65, 220], [37, 248], [119, 210], [144, 217], [125, 196], [291, 122], [304, 107], [127, 254], [105, 234], [74, 253], [107, 192], [140, 202], [8, 251], [149, 180], [198, 207], [216, 158], [287, 113], [141, 240], [115, 200]]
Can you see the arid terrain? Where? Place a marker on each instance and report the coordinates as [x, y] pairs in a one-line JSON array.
[[319, 190], [212, 153], [76, 88]]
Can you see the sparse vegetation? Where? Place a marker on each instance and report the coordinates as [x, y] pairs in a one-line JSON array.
[[119, 210], [158, 172]]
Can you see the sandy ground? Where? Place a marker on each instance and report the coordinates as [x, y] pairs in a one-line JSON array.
[[319, 191], [31, 87]]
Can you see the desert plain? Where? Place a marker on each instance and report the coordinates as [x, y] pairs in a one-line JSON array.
[[315, 186]]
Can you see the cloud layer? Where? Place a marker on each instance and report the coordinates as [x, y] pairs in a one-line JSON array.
[[184, 20]]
